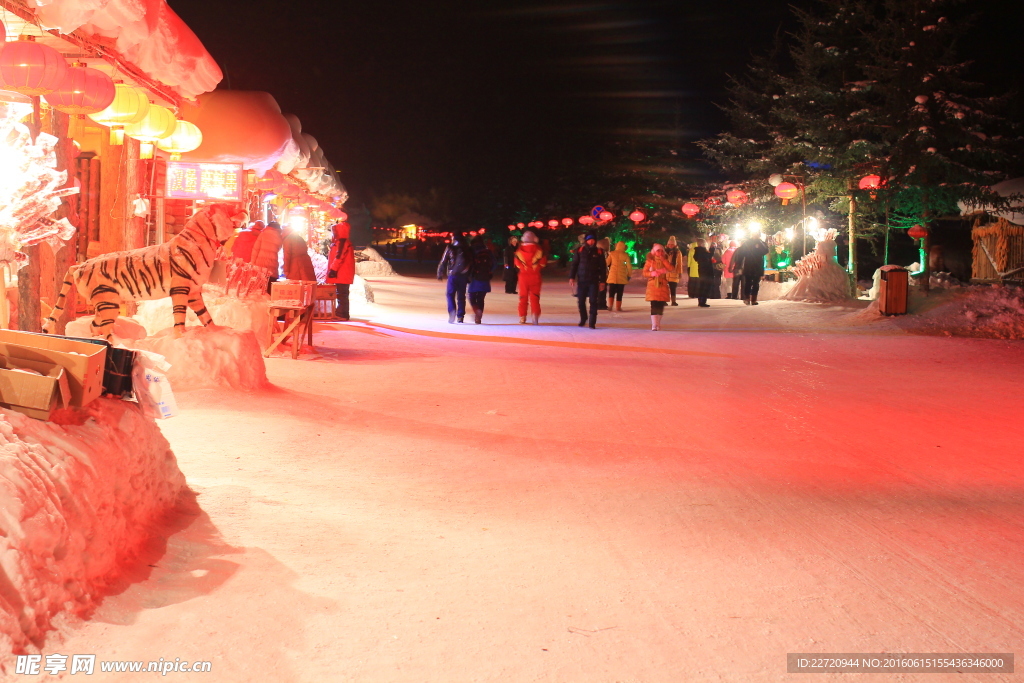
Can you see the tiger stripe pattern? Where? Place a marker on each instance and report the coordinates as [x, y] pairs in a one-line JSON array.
[[177, 268]]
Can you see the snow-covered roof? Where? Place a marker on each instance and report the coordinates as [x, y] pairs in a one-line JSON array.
[[147, 33], [1014, 186]]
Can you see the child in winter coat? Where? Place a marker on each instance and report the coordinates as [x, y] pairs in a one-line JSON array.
[[530, 260], [656, 270], [619, 271]]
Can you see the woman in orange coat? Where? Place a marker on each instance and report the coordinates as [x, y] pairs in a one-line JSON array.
[[341, 267], [657, 269], [297, 263]]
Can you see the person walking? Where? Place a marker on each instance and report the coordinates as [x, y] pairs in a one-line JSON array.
[[511, 272], [730, 283], [750, 259], [605, 245], [530, 262], [692, 271], [341, 267], [266, 251], [619, 271], [241, 248], [656, 269], [480, 274], [704, 260], [675, 259], [587, 276], [297, 263], [455, 266], [720, 245]]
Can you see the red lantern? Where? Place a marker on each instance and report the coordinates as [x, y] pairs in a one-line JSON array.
[[587, 220], [483, 230], [605, 216], [737, 197], [638, 216], [83, 91], [690, 209], [511, 227], [567, 222], [30, 68], [553, 223], [786, 191], [520, 225], [870, 182], [918, 232]]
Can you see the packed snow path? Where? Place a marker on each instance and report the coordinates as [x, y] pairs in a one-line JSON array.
[[589, 505]]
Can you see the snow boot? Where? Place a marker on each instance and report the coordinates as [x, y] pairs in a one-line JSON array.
[[522, 320], [451, 318], [461, 319], [655, 323], [618, 306], [536, 319], [611, 302], [478, 315], [753, 301], [746, 302]]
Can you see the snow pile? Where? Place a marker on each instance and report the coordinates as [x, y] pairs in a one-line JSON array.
[[213, 356], [360, 292], [770, 290], [78, 502], [369, 263], [820, 278], [240, 314]]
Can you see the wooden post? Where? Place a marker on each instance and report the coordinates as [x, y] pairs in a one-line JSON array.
[[29, 313]]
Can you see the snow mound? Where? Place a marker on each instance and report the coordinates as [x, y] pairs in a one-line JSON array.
[[369, 263], [205, 357], [227, 311], [820, 278], [360, 292], [79, 498], [770, 290]]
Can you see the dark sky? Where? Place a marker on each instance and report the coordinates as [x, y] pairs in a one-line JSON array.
[[472, 96]]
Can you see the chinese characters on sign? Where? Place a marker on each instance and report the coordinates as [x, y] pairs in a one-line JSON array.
[[187, 180]]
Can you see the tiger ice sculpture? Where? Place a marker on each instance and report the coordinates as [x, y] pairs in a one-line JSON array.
[[177, 268]]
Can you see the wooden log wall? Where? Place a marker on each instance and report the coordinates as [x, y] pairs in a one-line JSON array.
[[1005, 243]]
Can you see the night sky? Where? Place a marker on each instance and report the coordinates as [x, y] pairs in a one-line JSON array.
[[474, 98]]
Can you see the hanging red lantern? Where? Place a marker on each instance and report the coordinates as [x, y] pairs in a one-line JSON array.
[[567, 222], [511, 227], [918, 232], [83, 91], [690, 209], [638, 216], [32, 69], [520, 225], [737, 197], [553, 223], [870, 182], [587, 220], [605, 216], [786, 191]]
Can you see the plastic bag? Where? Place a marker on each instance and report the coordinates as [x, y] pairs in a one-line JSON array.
[[152, 388]]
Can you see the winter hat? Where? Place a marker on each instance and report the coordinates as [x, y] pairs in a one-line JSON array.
[[590, 236], [529, 238], [656, 247], [672, 241]]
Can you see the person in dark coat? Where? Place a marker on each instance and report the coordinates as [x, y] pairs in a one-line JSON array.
[[587, 276], [297, 263], [749, 259], [511, 272], [480, 274], [705, 260], [455, 265]]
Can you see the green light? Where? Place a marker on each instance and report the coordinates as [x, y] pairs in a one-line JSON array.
[[782, 264]]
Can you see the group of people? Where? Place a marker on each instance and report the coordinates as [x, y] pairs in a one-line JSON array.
[[285, 252], [598, 276]]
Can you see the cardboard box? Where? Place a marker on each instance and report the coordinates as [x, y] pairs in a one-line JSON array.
[[34, 395], [83, 363], [292, 293]]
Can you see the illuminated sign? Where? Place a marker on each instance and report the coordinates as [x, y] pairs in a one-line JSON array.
[[188, 180]]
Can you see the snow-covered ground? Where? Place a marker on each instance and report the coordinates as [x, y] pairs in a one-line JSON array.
[[419, 501]]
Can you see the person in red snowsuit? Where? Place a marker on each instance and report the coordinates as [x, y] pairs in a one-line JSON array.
[[530, 260], [341, 267]]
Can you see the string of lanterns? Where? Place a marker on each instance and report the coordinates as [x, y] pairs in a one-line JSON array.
[[603, 217], [36, 70]]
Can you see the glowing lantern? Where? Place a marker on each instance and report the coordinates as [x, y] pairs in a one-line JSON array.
[[786, 191], [159, 122], [483, 230], [737, 197], [520, 225], [918, 232], [567, 222], [185, 138], [587, 220], [605, 216], [129, 106], [31, 69], [553, 223], [511, 227], [870, 182], [638, 216], [690, 209], [83, 91]]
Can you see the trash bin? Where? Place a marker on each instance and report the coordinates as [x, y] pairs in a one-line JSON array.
[[893, 290]]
